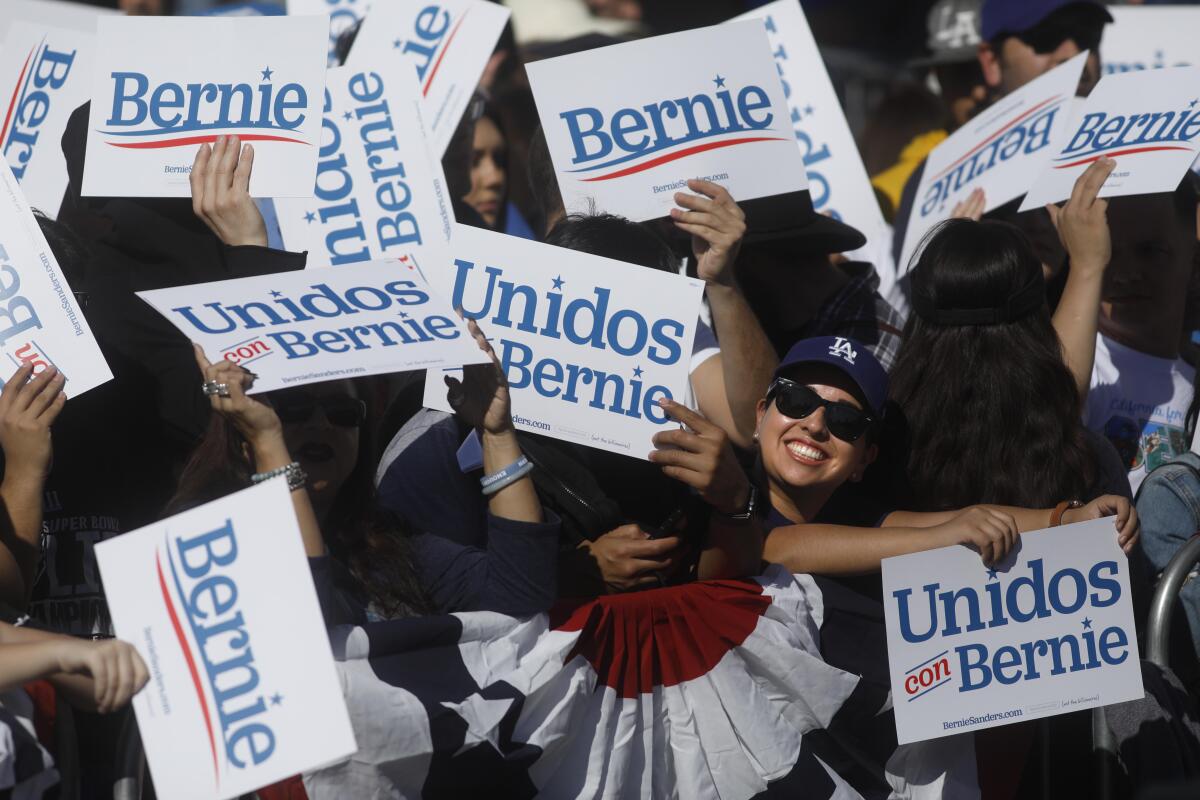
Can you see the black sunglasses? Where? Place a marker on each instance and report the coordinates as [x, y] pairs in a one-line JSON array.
[[797, 401], [341, 410]]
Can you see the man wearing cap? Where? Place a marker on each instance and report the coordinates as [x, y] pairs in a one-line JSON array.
[[1022, 40], [952, 64]]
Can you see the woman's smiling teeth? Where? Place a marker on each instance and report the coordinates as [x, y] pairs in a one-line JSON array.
[[806, 451]]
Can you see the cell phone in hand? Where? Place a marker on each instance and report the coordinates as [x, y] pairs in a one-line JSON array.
[[668, 527]]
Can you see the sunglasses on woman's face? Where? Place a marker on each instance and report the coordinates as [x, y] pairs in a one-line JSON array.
[[341, 410], [798, 401]]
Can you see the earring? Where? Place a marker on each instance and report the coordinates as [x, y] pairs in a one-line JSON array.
[[756, 436]]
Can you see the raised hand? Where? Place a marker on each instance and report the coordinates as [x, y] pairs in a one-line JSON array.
[[717, 226], [971, 207], [1082, 222], [256, 420], [220, 182], [27, 409], [481, 398], [702, 458]]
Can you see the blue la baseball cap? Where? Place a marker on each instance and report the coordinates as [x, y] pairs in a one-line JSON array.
[[1015, 16], [847, 355]]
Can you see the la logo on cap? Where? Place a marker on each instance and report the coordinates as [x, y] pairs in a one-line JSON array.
[[842, 347]]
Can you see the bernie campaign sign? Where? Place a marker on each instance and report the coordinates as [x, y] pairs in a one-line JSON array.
[[308, 326], [628, 125], [1048, 633], [1150, 37], [378, 192], [837, 179], [220, 604], [1147, 120], [45, 75], [39, 321], [446, 43], [589, 345], [343, 15], [999, 151], [163, 86]]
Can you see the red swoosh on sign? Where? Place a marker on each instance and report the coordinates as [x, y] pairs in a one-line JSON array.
[[441, 55], [12, 104], [187, 654], [248, 137], [1116, 153], [1007, 126], [688, 151]]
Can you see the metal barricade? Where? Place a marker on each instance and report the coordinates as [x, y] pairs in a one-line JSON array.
[[1158, 636]]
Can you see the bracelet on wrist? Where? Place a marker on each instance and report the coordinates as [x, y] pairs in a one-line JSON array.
[[504, 477], [1056, 516], [296, 477]]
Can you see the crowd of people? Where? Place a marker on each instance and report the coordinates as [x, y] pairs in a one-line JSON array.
[[1028, 369]]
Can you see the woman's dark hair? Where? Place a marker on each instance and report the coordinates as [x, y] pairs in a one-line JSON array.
[[371, 543], [992, 410], [610, 236]]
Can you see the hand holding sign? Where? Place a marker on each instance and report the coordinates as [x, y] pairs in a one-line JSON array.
[[717, 225], [989, 531], [27, 409], [971, 207], [1127, 524], [1082, 222], [481, 397], [220, 181], [256, 420], [702, 458]]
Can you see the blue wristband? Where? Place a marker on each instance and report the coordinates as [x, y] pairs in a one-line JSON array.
[[510, 474]]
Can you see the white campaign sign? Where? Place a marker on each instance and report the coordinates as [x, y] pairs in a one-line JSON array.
[[39, 321], [589, 344], [164, 85], [343, 15], [379, 192], [446, 42], [45, 74], [999, 151], [1148, 121], [1150, 37], [837, 179], [219, 603], [1049, 632], [293, 328], [627, 125]]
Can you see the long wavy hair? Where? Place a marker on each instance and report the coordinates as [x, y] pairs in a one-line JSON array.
[[993, 412], [373, 544]]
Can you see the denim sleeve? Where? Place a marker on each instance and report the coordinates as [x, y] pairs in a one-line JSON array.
[[515, 575], [1168, 507]]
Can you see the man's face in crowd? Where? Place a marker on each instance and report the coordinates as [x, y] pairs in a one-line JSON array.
[[1016, 64], [1014, 60], [1145, 286]]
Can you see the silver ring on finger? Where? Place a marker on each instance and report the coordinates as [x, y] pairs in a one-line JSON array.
[[222, 390], [211, 388]]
